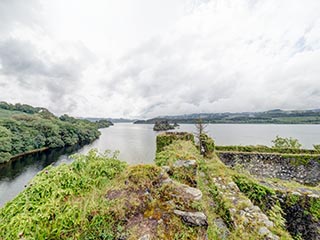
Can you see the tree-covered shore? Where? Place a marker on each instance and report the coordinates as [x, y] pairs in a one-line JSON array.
[[24, 128]]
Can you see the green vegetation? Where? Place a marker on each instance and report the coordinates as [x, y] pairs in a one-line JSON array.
[[216, 201], [165, 139], [207, 144], [292, 143], [264, 149], [64, 202], [24, 128], [99, 197], [181, 149], [103, 123], [317, 147], [258, 194], [315, 208], [229, 203]]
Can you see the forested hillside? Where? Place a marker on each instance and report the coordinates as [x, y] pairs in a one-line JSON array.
[[24, 128], [276, 116]]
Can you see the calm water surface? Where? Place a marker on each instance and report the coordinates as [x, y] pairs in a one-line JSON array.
[[136, 144]]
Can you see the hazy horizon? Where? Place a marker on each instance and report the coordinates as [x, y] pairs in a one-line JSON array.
[[143, 59]]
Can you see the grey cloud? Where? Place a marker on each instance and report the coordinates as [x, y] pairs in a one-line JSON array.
[[36, 70], [23, 60], [15, 12], [223, 69], [222, 56]]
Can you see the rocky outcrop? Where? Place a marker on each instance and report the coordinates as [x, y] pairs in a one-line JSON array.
[[152, 201], [286, 167]]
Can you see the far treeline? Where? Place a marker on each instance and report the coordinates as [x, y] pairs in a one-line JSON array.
[[276, 116], [24, 128]]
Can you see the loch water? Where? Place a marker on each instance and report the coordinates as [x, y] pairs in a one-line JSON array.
[[137, 144]]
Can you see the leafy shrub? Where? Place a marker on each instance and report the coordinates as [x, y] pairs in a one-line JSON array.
[[280, 142], [317, 147], [257, 193]]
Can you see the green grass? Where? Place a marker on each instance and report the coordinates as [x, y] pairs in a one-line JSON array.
[[98, 197], [64, 202]]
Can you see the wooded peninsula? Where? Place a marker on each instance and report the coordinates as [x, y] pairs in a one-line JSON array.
[[25, 129]]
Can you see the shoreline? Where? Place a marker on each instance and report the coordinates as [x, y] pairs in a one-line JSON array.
[[39, 150], [29, 152], [15, 157]]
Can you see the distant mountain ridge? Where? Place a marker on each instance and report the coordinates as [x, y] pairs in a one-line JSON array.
[[275, 116], [113, 120]]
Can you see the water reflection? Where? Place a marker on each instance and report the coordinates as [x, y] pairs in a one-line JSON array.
[[16, 174]]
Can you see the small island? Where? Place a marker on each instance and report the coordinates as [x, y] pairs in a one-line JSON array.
[[164, 125]]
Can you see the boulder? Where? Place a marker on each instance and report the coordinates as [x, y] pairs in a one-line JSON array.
[[192, 218]]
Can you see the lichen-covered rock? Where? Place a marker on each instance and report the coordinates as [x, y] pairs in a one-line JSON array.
[[194, 192], [185, 163], [192, 218]]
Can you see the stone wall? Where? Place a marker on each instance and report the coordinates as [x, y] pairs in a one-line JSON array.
[[300, 206], [299, 214], [286, 167], [165, 139]]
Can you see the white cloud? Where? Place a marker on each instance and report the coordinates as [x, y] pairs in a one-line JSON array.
[[141, 58]]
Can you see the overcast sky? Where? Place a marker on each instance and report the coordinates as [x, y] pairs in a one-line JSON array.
[[145, 58]]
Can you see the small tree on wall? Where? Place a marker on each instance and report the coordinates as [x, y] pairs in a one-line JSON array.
[[281, 142]]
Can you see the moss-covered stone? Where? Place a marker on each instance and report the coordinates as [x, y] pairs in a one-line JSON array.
[[207, 145], [165, 139], [179, 150]]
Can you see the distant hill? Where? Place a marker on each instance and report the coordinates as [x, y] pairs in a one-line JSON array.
[[113, 120], [275, 116]]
